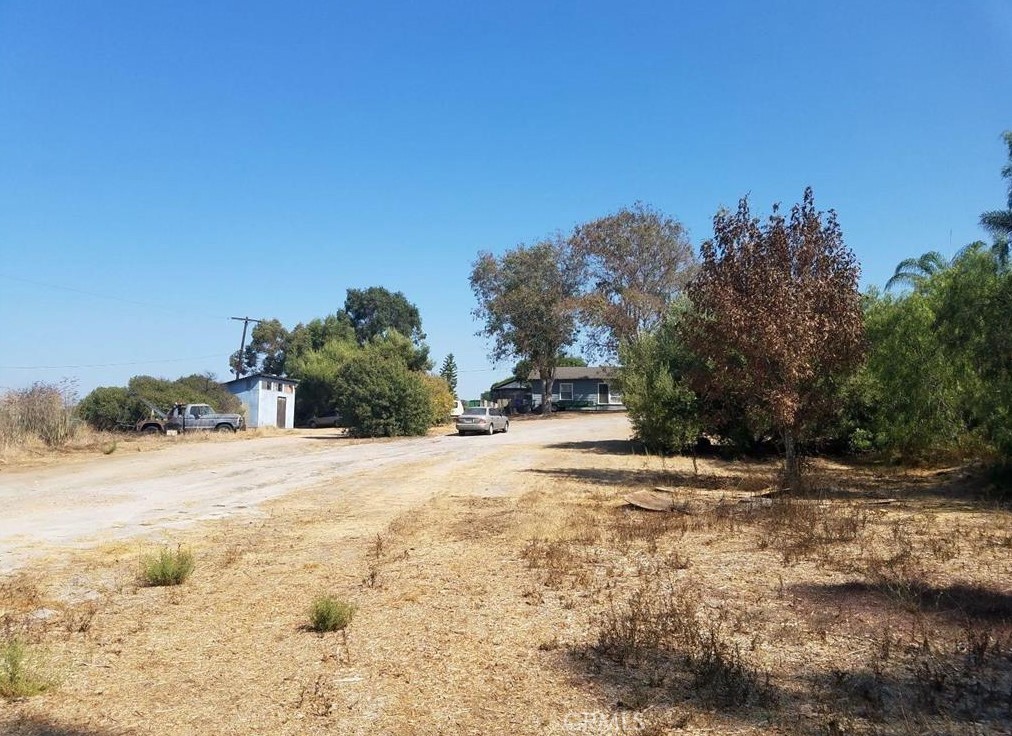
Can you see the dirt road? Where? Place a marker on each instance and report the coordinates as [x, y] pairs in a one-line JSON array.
[[123, 495]]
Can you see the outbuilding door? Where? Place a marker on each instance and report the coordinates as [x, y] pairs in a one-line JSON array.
[[603, 394], [282, 411]]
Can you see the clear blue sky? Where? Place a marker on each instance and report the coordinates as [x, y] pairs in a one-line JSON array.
[[165, 166]]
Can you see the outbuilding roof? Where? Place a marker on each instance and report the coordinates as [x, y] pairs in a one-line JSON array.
[[282, 379]]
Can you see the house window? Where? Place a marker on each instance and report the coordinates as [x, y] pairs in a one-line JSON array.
[[565, 392]]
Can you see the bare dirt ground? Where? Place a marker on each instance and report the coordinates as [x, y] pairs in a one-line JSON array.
[[503, 586], [135, 490]]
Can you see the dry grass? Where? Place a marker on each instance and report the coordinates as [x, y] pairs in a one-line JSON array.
[[554, 610]]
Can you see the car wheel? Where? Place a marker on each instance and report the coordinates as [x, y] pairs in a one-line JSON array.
[[506, 428], [312, 424], [491, 428]]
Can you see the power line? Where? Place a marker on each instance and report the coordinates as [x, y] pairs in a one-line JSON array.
[[173, 308], [103, 365]]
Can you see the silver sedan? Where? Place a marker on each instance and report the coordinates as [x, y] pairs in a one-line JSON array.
[[482, 420]]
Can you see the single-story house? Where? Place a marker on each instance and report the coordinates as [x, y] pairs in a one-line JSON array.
[[592, 387], [269, 400]]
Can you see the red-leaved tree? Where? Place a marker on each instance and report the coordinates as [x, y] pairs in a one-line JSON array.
[[776, 317]]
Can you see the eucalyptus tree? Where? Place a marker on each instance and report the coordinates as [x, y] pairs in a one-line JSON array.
[[637, 261], [527, 301]]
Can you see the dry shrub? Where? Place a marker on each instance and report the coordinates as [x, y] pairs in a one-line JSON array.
[[558, 561], [661, 629], [799, 527], [19, 598], [649, 621], [40, 413], [629, 526]]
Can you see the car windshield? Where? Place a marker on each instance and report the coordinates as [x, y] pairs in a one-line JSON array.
[[476, 411]]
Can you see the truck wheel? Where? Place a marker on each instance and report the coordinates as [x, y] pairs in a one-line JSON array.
[[151, 429], [312, 424], [224, 428]]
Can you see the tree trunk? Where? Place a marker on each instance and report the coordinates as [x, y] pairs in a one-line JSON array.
[[547, 379], [792, 468]]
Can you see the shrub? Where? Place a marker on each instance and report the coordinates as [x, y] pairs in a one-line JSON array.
[[23, 670], [168, 567], [42, 412], [110, 407], [330, 614], [441, 399], [379, 397]]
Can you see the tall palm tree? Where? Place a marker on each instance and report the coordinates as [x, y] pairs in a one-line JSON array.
[[999, 222], [914, 272]]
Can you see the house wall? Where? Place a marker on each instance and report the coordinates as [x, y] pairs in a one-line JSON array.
[[261, 401], [583, 390]]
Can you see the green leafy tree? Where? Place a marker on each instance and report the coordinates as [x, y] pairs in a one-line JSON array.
[[449, 373], [317, 333], [777, 318], [974, 299], [917, 399], [316, 371], [527, 302], [376, 310], [266, 350], [637, 261]]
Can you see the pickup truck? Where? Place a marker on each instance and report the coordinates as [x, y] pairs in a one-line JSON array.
[[191, 417]]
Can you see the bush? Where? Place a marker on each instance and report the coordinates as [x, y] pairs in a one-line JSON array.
[[330, 614], [380, 397], [23, 670], [42, 412], [110, 407], [168, 567], [441, 399], [665, 412]]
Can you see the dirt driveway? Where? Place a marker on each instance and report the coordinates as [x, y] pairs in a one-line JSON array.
[[120, 496]]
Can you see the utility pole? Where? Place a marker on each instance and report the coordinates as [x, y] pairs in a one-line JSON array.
[[238, 370]]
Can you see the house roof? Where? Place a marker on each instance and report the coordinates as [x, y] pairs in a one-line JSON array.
[[292, 381], [509, 383], [591, 372]]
